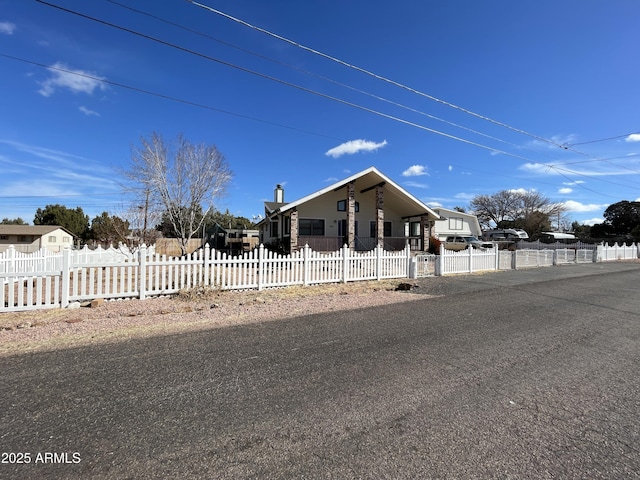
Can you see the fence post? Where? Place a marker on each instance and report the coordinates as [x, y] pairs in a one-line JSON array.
[[470, 248], [260, 266], [514, 260], [305, 265], [410, 267], [345, 263], [439, 263], [497, 254], [11, 257], [555, 258], [207, 256], [66, 277], [142, 272], [378, 262]]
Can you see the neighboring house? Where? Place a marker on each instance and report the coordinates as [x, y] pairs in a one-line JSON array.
[[31, 238], [363, 211], [241, 240], [453, 222]]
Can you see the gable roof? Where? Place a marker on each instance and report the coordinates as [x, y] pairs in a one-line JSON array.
[[369, 178], [31, 229]]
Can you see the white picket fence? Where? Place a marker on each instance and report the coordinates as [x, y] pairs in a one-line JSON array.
[[145, 274], [472, 260], [44, 280]]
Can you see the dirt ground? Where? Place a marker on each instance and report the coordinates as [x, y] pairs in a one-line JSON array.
[[37, 330]]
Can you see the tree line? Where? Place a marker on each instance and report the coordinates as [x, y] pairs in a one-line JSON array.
[[535, 213], [112, 229]]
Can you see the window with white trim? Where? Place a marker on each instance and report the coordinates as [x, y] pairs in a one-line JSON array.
[[456, 223], [311, 227]]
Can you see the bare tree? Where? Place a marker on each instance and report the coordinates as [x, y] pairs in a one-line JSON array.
[[529, 210], [497, 208], [181, 178]]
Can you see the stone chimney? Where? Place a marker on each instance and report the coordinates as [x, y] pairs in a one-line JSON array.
[[278, 194]]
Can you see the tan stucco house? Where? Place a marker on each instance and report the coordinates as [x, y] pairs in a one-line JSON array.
[[363, 211], [31, 238]]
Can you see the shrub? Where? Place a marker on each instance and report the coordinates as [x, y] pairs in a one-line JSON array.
[[434, 245]]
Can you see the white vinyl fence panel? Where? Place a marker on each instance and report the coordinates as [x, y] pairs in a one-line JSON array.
[[45, 280]]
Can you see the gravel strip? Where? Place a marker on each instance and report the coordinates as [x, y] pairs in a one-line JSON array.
[[197, 309]]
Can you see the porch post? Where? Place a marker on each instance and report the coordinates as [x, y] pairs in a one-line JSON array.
[[380, 215], [425, 232], [351, 215], [293, 231]]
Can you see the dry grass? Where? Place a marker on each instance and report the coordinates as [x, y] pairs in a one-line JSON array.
[[190, 310]]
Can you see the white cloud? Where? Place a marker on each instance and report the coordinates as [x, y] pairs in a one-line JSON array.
[[7, 28], [591, 221], [554, 141], [416, 185], [634, 137], [451, 168], [521, 190], [565, 190], [415, 171], [573, 206], [88, 112], [593, 170], [464, 196], [78, 81], [354, 146]]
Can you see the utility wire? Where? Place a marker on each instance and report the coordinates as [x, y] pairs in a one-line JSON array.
[[385, 79], [318, 76], [283, 82], [167, 97], [603, 139], [269, 78], [374, 75]]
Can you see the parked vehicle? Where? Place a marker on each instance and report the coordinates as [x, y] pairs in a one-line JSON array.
[[460, 242], [502, 234]]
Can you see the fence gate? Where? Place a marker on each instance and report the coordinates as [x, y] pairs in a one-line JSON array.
[[424, 265]]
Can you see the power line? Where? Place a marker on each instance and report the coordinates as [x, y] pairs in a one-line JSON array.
[[386, 79], [259, 75], [372, 74], [315, 75], [603, 139], [283, 82]]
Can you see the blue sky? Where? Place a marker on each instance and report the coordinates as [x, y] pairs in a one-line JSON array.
[[449, 99]]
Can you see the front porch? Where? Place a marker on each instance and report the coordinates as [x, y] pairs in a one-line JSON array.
[[331, 244]]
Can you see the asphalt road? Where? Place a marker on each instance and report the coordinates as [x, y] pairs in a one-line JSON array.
[[519, 374]]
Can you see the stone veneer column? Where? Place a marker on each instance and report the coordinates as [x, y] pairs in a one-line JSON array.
[[425, 231], [380, 215], [351, 215], [293, 231]]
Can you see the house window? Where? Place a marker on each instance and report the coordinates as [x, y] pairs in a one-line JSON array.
[[311, 226], [4, 237], [274, 229], [386, 232], [52, 239], [65, 239], [342, 206], [414, 229], [24, 238], [455, 223]]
